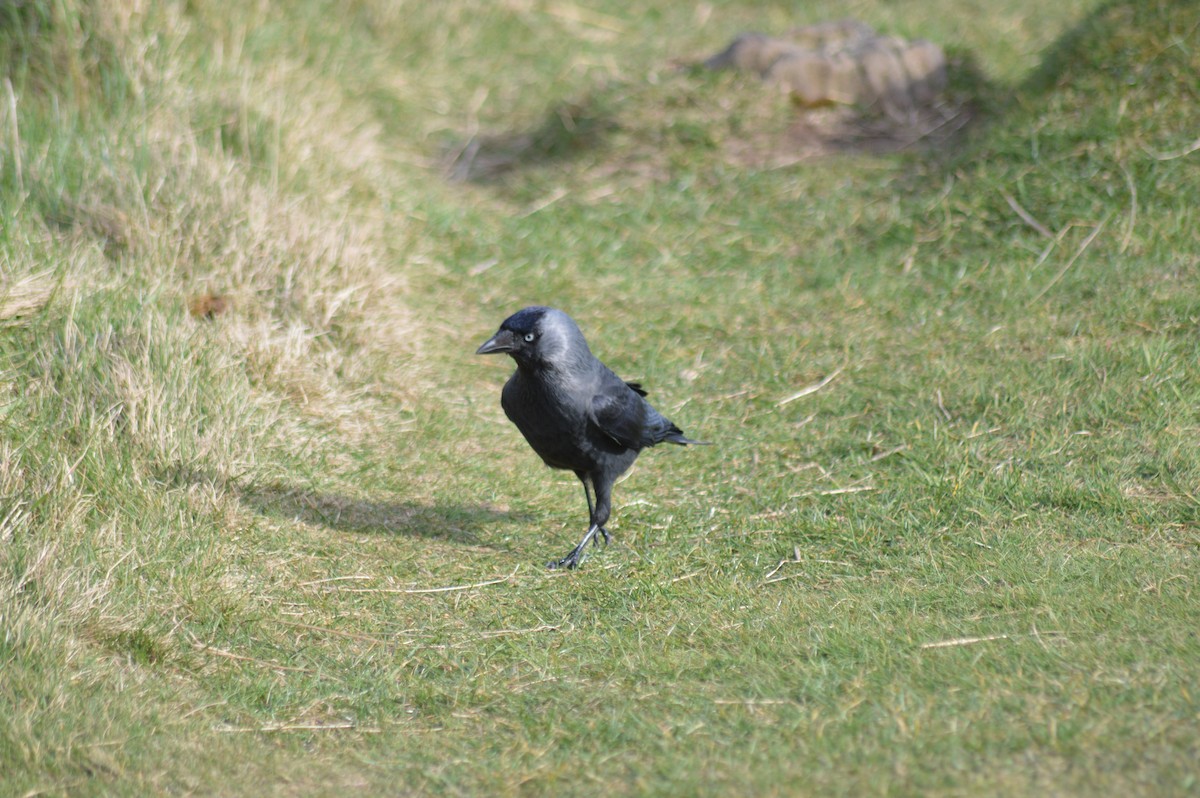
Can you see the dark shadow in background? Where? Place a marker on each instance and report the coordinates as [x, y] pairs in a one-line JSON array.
[[574, 128], [460, 523], [568, 129]]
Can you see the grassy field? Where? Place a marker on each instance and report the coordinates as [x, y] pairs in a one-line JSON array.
[[285, 542]]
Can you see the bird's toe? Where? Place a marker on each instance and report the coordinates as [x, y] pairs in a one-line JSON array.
[[570, 562]]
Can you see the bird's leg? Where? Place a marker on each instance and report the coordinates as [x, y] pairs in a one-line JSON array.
[[603, 533], [597, 516]]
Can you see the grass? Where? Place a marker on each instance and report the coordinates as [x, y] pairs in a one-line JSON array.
[[295, 548]]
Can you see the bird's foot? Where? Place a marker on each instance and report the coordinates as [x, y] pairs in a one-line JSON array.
[[575, 558], [570, 562]]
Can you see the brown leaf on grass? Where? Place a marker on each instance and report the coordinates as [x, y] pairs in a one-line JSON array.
[[209, 305]]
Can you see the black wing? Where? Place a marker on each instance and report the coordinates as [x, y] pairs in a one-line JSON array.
[[620, 413]]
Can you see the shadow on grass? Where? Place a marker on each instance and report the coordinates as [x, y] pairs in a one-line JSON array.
[[664, 120], [366, 516], [568, 130], [290, 502]]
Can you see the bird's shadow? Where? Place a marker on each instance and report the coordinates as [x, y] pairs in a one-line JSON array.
[[293, 502]]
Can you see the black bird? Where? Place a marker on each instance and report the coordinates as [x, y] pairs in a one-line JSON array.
[[574, 411]]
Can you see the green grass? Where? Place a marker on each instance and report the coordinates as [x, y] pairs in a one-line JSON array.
[[296, 549]]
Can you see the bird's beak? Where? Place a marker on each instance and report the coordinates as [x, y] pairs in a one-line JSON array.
[[500, 342]]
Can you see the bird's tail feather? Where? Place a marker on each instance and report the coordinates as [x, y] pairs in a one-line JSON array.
[[682, 440], [661, 429], [675, 435]]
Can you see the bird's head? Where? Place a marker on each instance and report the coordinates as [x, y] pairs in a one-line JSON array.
[[539, 337]]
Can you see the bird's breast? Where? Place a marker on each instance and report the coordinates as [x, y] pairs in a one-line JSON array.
[[552, 420]]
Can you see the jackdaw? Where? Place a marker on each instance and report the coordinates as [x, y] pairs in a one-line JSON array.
[[574, 411]]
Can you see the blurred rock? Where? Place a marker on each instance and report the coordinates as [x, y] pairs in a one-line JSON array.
[[844, 62]]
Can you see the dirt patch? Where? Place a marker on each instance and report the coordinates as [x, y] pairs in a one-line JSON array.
[[825, 132]]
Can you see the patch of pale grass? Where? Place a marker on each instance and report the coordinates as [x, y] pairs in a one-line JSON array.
[[26, 294], [315, 284], [128, 418]]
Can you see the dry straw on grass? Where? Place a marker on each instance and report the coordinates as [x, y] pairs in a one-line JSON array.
[[27, 294]]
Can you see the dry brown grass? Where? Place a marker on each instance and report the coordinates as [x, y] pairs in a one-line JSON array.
[[315, 284]]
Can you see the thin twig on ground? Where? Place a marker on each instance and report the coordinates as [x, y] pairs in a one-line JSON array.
[[809, 389], [968, 641], [685, 577], [201, 708], [795, 559], [1087, 242], [884, 455], [781, 579], [964, 641], [546, 627], [1026, 217], [334, 579], [295, 727], [204, 648], [545, 202], [833, 491], [754, 702], [1049, 248], [1170, 156], [415, 590], [338, 632]]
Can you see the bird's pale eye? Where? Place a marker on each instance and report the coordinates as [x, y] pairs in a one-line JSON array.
[[529, 338]]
